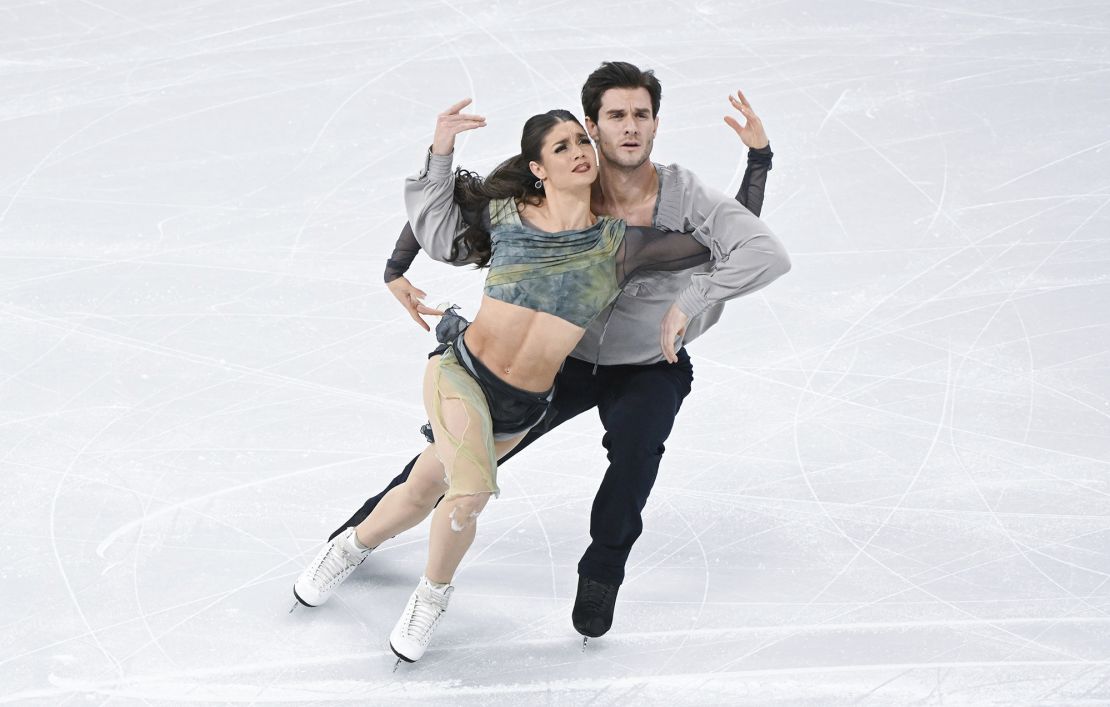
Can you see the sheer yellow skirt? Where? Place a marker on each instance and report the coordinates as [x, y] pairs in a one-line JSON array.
[[461, 424]]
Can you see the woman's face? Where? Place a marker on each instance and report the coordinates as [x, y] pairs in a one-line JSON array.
[[568, 158]]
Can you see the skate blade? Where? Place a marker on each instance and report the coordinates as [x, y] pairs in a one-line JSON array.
[[298, 601], [584, 639], [400, 658]]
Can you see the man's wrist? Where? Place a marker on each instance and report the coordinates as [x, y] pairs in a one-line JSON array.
[[437, 166], [691, 303]]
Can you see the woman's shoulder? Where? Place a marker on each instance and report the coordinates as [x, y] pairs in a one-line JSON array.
[[612, 224], [504, 212]]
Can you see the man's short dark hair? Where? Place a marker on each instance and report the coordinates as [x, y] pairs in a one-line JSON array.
[[618, 74]]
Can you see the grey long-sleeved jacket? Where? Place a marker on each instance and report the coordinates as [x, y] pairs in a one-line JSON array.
[[746, 257]]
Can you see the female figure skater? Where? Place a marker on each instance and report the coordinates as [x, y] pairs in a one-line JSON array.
[[554, 266]]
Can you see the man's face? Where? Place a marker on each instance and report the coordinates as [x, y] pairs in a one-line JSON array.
[[625, 129]]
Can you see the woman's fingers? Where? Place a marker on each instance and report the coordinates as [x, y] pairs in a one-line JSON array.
[[740, 103], [425, 309], [751, 132]]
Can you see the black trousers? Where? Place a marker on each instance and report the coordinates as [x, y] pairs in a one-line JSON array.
[[637, 406]]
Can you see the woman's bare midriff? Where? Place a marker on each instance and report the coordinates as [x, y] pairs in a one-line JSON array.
[[523, 347]]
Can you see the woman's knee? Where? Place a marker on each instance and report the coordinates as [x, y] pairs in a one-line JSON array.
[[463, 511], [425, 490]]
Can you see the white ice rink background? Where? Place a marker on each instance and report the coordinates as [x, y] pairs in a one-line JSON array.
[[889, 486]]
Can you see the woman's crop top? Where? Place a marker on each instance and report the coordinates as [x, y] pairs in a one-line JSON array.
[[574, 275]]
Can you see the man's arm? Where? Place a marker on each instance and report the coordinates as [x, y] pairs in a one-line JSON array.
[[430, 195], [429, 200], [746, 254]]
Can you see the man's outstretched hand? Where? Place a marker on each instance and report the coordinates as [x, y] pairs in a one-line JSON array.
[[450, 123]]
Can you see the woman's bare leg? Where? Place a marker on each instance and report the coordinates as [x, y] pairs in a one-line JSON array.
[[455, 520], [454, 525], [406, 504]]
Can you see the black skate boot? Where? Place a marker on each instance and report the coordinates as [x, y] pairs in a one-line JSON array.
[[593, 607]]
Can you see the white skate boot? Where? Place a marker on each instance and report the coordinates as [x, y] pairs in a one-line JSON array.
[[413, 632], [333, 564]]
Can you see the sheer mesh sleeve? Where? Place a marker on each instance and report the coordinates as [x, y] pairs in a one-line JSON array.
[[651, 249], [406, 248], [404, 252], [751, 190]]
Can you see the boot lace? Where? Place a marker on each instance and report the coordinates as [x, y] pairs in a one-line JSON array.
[[597, 596], [424, 615], [334, 565]]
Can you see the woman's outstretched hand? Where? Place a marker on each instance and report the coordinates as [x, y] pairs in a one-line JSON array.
[[450, 123], [752, 131], [411, 298]]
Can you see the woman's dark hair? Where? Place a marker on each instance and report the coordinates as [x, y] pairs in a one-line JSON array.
[[618, 74], [510, 179]]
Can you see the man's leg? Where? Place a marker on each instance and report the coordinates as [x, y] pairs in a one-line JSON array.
[[575, 392], [637, 407], [372, 502]]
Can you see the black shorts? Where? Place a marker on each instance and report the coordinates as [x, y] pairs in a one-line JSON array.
[[512, 411]]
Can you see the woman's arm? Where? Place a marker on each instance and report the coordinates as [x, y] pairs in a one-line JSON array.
[[754, 136], [404, 252], [750, 194], [407, 247], [652, 249]]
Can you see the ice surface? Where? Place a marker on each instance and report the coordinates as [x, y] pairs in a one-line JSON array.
[[889, 486]]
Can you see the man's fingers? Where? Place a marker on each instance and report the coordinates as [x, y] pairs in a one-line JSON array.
[[734, 124], [453, 120], [743, 100], [465, 118], [458, 126], [667, 344], [458, 106]]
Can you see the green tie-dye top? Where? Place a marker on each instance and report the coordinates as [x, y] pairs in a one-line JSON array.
[[571, 274]]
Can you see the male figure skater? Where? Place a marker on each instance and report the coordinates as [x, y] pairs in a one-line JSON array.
[[626, 365]]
